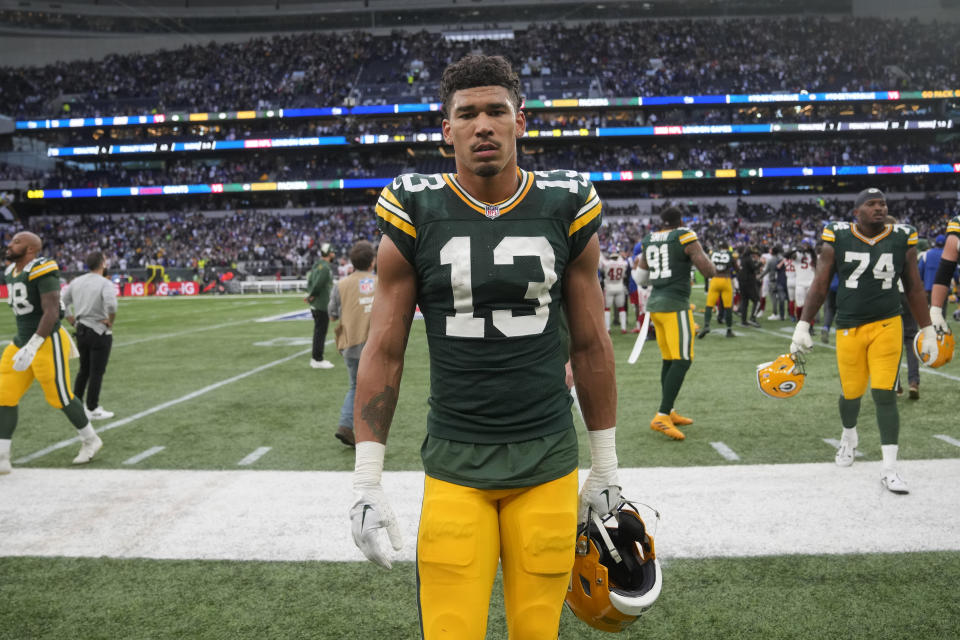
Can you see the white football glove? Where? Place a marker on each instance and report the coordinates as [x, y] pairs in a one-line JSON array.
[[26, 354], [370, 512], [938, 321], [928, 347], [601, 489], [802, 341]]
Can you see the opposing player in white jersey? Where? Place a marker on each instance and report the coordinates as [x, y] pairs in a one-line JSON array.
[[805, 264], [614, 268], [791, 267]]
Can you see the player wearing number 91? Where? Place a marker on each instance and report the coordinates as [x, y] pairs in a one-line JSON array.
[[870, 256], [493, 255]]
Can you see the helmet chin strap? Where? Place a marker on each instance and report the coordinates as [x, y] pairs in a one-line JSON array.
[[612, 548]]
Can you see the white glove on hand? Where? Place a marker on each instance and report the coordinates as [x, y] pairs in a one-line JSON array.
[[928, 347], [370, 512], [938, 321], [26, 354], [802, 341], [601, 490]]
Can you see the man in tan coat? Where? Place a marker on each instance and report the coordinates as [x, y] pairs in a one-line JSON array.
[[350, 302]]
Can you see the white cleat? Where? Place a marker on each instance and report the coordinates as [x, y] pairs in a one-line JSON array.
[[321, 364], [5, 467], [88, 449], [98, 414], [893, 483], [846, 452]]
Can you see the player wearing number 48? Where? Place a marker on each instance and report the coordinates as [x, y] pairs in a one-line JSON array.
[[871, 256], [496, 257]]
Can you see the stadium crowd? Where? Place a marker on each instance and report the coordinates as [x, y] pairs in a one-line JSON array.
[[653, 57], [281, 242]]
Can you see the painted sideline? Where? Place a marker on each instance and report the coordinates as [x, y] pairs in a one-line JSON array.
[[743, 510], [161, 406]]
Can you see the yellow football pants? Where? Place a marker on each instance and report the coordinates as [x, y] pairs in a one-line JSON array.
[[869, 353], [721, 288], [50, 367], [465, 531], [674, 334]]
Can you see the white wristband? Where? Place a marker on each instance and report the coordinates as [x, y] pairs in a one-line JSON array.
[[603, 453], [936, 315], [803, 325], [368, 466]]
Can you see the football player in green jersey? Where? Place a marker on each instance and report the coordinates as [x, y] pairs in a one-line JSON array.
[[493, 255], [41, 349], [720, 290], [941, 282], [869, 256], [668, 255]]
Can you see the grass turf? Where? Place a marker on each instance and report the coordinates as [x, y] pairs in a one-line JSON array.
[[866, 596]]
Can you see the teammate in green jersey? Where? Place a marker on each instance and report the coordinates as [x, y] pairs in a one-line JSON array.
[[720, 290], [941, 282], [668, 255], [493, 255], [869, 256], [41, 348]]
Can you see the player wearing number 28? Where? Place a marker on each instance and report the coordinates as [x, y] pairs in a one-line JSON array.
[[493, 255], [41, 348], [870, 256]]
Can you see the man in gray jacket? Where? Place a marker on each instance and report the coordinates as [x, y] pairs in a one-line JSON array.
[[93, 300]]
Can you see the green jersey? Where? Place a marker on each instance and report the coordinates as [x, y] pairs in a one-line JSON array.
[[319, 285], [39, 276], [669, 268], [869, 271], [723, 260], [490, 289], [953, 227]]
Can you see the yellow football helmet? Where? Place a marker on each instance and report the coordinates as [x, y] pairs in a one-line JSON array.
[[945, 344], [782, 378], [616, 575]]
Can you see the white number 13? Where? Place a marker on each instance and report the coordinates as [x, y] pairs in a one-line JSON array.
[[456, 253]]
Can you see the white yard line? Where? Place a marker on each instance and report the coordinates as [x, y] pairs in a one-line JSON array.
[[726, 510], [162, 406], [144, 455], [948, 439], [254, 456], [162, 336], [726, 452]]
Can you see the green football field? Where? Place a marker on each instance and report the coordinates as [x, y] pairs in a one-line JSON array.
[[210, 383]]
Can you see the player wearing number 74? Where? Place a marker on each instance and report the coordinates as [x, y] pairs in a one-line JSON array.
[[871, 256], [493, 255]]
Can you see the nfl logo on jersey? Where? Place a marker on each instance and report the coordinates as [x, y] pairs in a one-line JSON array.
[[493, 211], [366, 286]]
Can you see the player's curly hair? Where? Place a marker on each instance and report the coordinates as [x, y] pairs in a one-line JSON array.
[[671, 216], [479, 71]]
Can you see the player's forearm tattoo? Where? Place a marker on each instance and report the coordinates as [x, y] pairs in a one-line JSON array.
[[378, 413]]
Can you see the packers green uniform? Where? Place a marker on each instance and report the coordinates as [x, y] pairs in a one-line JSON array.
[[722, 259], [50, 365], [669, 269], [39, 276], [489, 280], [953, 227], [869, 270]]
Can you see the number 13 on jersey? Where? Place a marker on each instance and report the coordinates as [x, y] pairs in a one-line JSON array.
[[457, 252]]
